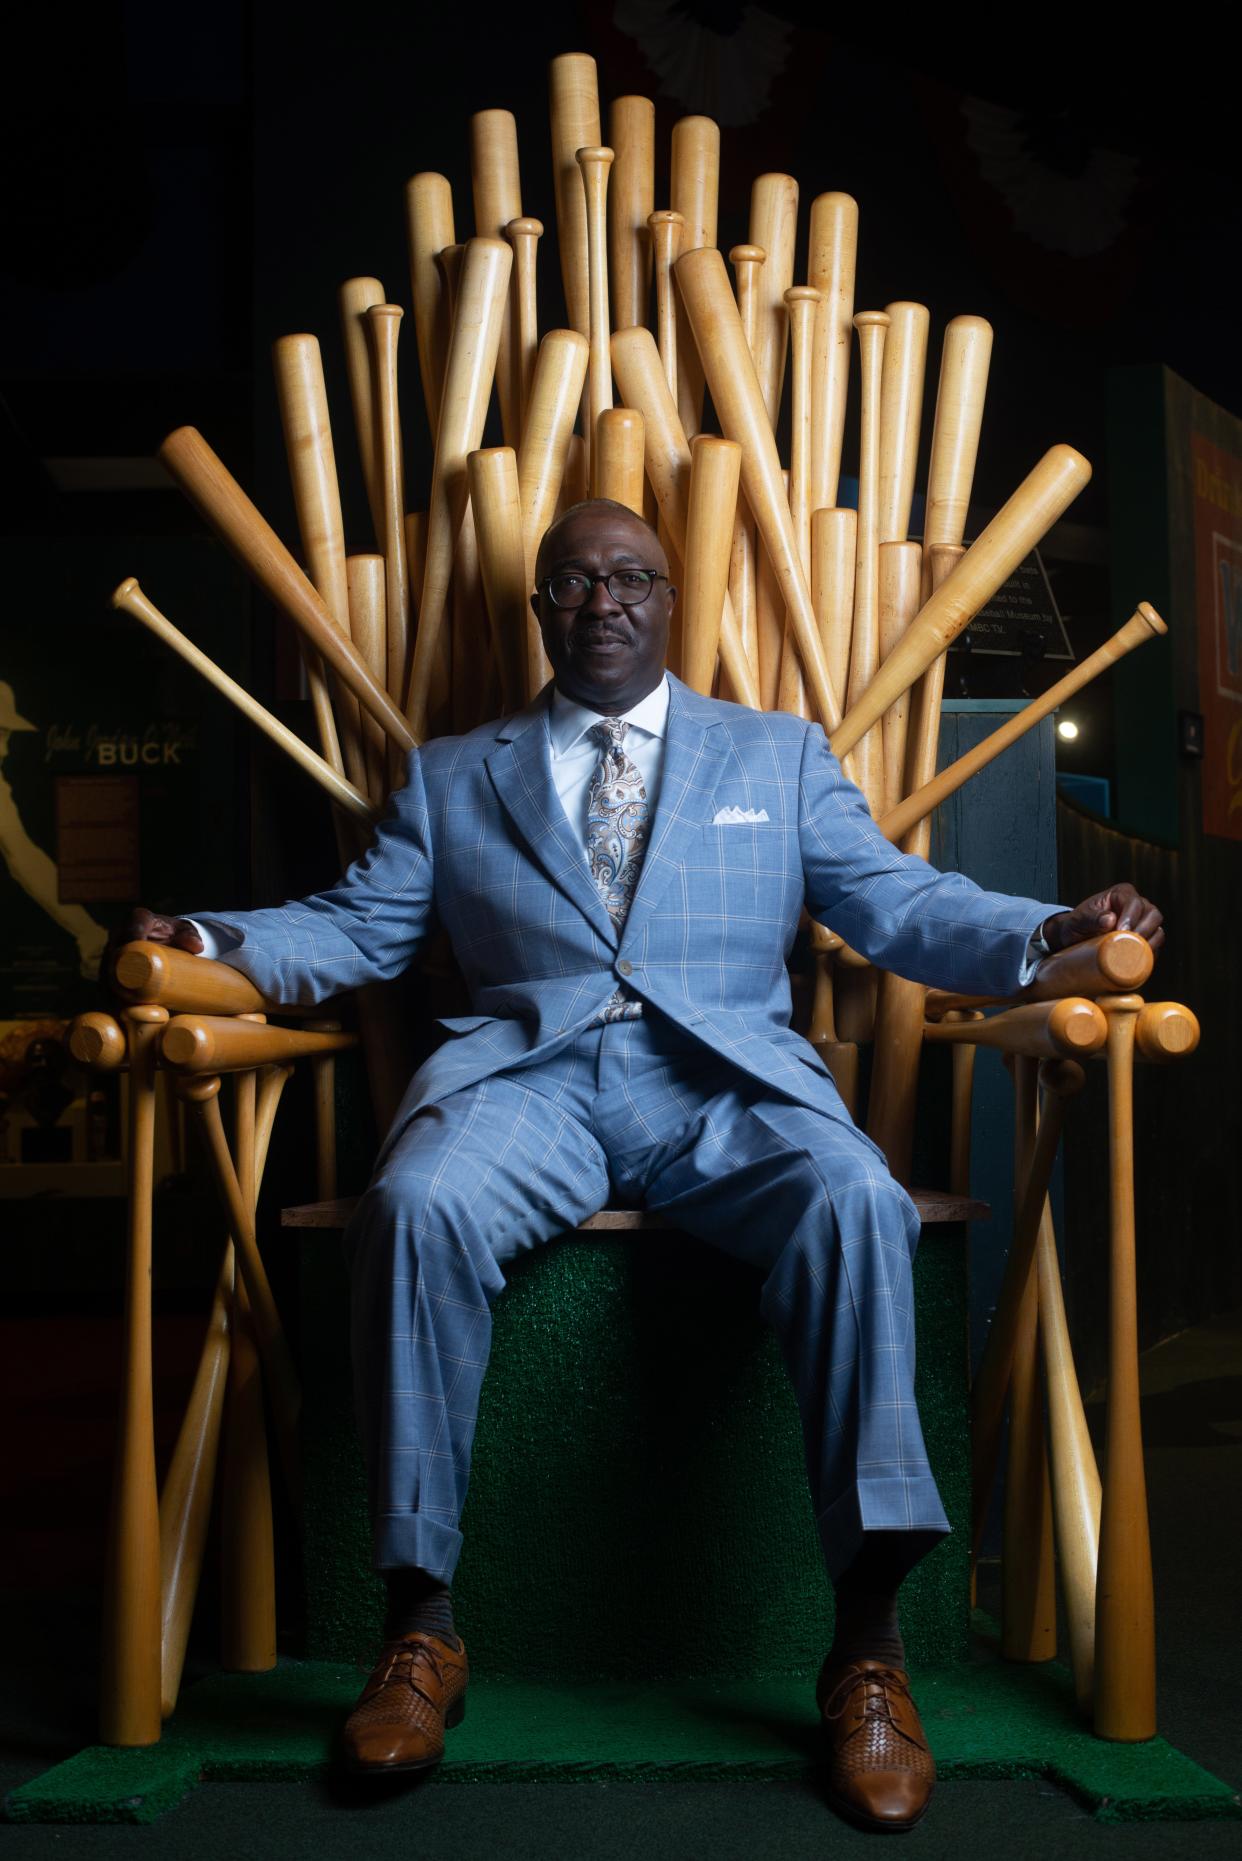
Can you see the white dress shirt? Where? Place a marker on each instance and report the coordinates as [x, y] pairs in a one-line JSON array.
[[575, 759]]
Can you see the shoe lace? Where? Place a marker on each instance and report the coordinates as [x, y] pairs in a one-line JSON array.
[[876, 1704], [404, 1661]]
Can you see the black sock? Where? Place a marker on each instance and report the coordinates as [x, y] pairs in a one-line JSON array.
[[867, 1628], [415, 1601]]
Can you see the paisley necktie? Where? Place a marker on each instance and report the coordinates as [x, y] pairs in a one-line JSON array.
[[618, 822]]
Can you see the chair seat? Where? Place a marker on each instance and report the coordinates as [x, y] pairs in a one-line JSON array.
[[934, 1206]]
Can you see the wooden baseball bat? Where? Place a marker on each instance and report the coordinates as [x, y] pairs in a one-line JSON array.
[[831, 264], [901, 417], [774, 226], [130, 1637], [1165, 1031], [802, 305], [1144, 624], [185, 1501], [898, 598], [631, 198], [1115, 961], [130, 599], [923, 726], [550, 413], [384, 325], [211, 487], [496, 497], [1075, 1475], [98, 1041], [620, 451], [595, 164], [573, 97], [356, 297], [154, 974], [303, 399], [497, 186], [429, 229], [449, 263], [1125, 1654], [1028, 1582], [738, 400], [872, 327], [715, 466], [576, 484], [524, 236], [1033, 1172], [247, 1547], [961, 1118], [1043, 496], [694, 191], [1071, 1028], [896, 1046], [368, 626], [744, 568], [964, 362], [468, 376], [641, 378], [833, 551], [282, 1380], [205, 1043], [470, 631], [667, 230]]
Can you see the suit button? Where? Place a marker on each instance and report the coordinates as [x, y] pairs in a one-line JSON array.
[[625, 967]]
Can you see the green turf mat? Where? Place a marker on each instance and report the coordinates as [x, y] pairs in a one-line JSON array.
[[985, 1720]]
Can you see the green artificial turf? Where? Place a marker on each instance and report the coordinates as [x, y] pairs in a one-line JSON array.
[[986, 1720]]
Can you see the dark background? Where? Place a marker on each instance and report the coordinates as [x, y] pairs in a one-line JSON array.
[[182, 186]]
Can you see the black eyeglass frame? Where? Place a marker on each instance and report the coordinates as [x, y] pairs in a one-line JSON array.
[[592, 582]]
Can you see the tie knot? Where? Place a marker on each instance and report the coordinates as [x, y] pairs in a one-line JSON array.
[[609, 733]]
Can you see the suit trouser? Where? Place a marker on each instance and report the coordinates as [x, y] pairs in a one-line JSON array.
[[634, 1111]]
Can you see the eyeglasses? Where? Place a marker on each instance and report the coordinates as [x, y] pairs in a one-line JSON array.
[[628, 587]]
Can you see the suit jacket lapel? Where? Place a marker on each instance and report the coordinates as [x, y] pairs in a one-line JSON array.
[[694, 752], [520, 768]]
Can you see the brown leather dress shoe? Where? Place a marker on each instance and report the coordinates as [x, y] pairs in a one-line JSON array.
[[880, 1769], [416, 1692]]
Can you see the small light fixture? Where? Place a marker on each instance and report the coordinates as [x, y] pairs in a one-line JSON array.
[[1067, 729]]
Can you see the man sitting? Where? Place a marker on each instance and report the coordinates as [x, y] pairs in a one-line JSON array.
[[621, 869]]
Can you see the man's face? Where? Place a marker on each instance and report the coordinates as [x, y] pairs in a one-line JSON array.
[[604, 655]]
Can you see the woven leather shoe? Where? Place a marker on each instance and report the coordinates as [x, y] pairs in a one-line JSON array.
[[415, 1693], [880, 1769]]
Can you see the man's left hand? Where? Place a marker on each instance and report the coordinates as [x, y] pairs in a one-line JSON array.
[[1117, 907]]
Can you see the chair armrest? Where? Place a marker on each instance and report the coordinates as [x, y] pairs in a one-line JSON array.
[[155, 972], [1118, 963], [186, 984], [198, 1043]]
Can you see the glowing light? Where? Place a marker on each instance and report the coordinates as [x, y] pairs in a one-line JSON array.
[[1067, 729]]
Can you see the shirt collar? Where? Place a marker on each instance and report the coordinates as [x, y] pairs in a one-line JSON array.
[[568, 722]]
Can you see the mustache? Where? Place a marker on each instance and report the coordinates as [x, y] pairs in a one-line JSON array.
[[595, 635]]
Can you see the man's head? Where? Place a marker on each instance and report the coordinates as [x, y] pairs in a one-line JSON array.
[[608, 652]]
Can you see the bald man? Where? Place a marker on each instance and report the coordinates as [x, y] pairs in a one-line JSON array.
[[621, 869]]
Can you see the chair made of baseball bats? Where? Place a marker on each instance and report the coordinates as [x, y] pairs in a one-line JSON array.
[[789, 600]]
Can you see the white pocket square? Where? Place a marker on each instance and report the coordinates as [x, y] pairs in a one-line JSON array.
[[739, 817]]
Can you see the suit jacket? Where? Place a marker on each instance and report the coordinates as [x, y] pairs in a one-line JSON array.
[[477, 841]]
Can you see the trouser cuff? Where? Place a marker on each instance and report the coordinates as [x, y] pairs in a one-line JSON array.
[[878, 1505], [404, 1540]]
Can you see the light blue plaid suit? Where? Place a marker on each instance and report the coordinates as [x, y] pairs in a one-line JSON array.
[[709, 1106]]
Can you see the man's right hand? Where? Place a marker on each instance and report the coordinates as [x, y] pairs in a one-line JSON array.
[[149, 927]]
